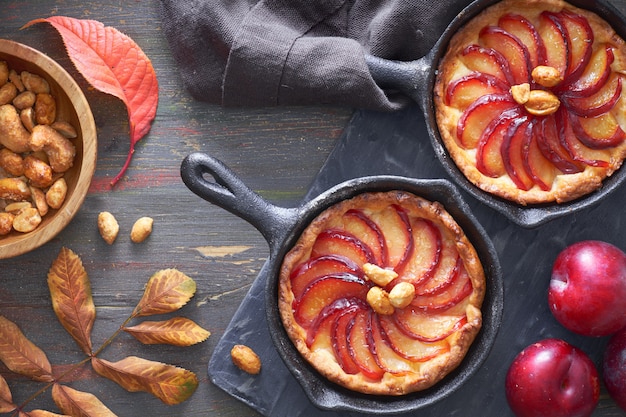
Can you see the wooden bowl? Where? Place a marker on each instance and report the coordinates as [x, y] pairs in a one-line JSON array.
[[72, 106]]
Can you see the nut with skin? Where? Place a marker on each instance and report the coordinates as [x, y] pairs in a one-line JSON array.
[[378, 299], [108, 227], [60, 150], [13, 134], [6, 223], [35, 83], [8, 92], [12, 163], [45, 109], [24, 100], [14, 189], [246, 359], [141, 229], [38, 172]]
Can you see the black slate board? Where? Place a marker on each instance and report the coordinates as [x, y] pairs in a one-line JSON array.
[[397, 144]]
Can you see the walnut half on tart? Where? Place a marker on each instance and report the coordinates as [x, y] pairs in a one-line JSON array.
[[529, 101], [382, 293]]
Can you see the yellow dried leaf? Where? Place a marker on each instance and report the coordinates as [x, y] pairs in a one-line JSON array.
[[6, 400], [21, 355], [177, 331], [78, 404], [72, 301], [169, 383], [167, 290]]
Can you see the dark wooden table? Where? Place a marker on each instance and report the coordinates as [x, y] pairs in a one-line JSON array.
[[277, 152]]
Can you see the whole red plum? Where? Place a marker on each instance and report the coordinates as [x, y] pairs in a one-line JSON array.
[[588, 288], [552, 378], [614, 368]]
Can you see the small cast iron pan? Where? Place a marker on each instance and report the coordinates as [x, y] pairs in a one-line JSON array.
[[210, 179], [416, 79]]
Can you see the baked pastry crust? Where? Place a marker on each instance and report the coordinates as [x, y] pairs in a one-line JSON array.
[[410, 376], [565, 187]]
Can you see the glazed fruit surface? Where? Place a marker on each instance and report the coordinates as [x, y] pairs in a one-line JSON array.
[[529, 101], [382, 293]]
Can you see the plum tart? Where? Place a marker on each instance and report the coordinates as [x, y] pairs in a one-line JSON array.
[[529, 101], [382, 293]]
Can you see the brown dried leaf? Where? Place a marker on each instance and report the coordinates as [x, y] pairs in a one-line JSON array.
[[21, 355], [72, 302], [6, 400], [177, 331], [40, 413], [167, 290], [79, 404], [169, 383]]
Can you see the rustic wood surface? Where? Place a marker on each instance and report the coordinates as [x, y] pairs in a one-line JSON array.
[[277, 152]]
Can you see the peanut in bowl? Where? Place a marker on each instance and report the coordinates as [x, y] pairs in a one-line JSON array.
[[60, 142]]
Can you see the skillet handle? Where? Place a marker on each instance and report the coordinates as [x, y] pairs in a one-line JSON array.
[[409, 77], [230, 193]]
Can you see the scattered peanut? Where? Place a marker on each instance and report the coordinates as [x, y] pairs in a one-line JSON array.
[[378, 275], [141, 229], [35, 151], [402, 294], [108, 227], [246, 359], [378, 299]]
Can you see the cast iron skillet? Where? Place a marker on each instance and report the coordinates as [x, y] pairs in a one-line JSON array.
[[213, 181], [416, 79]]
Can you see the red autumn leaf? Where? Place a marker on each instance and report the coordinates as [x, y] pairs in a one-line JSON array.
[[114, 64]]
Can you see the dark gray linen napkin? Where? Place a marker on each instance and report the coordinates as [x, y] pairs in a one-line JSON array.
[[298, 52]]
